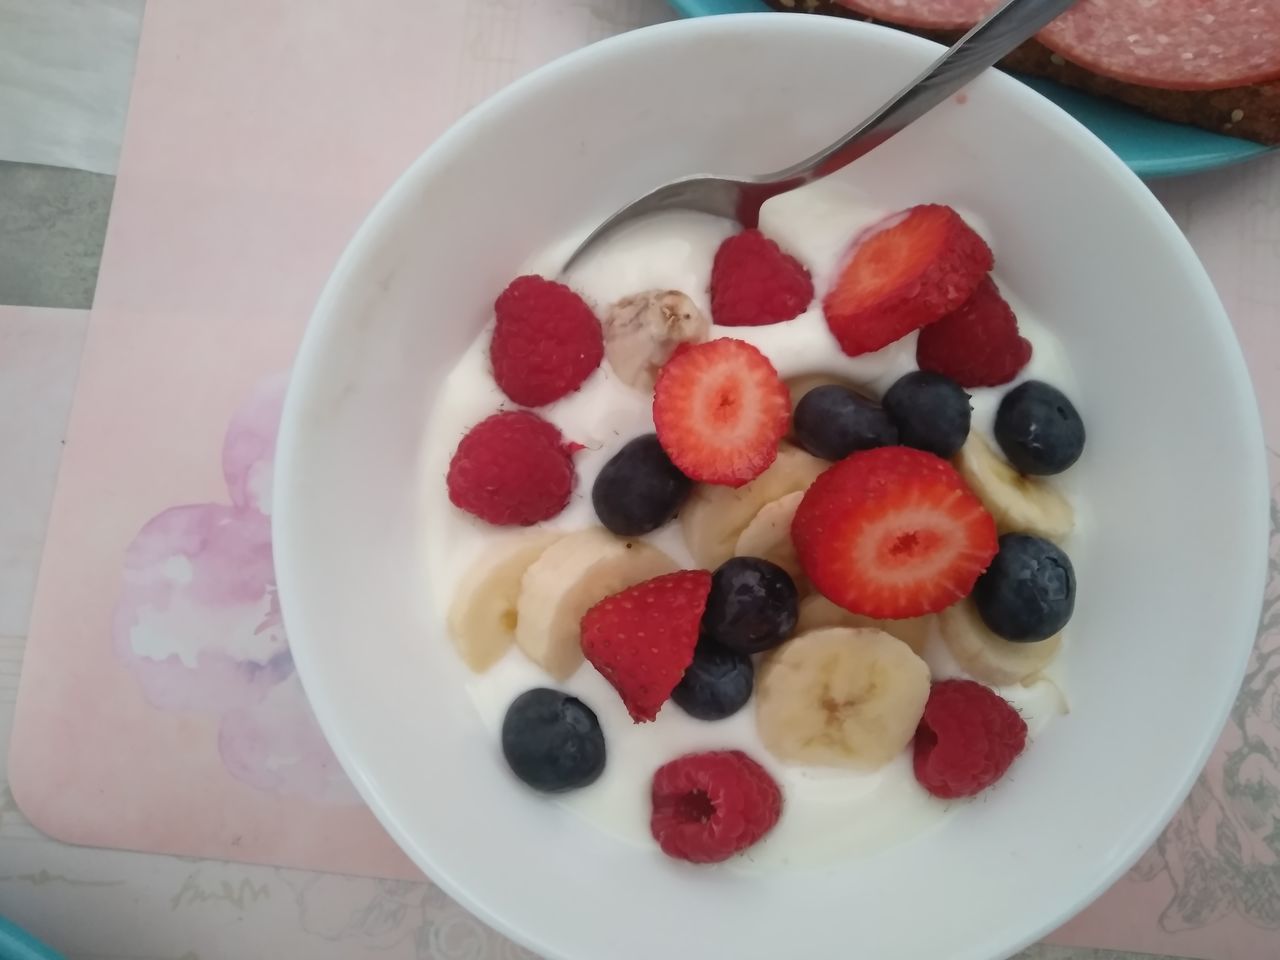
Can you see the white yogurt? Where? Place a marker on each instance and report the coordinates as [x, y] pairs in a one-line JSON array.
[[827, 814]]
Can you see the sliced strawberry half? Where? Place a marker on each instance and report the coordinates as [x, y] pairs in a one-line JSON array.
[[642, 639], [893, 533], [720, 410], [902, 276]]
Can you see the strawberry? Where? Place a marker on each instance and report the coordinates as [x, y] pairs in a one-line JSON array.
[[642, 639], [977, 345], [753, 283], [893, 533], [903, 275], [720, 410]]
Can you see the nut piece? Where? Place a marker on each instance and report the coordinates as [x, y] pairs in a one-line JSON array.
[[643, 330]]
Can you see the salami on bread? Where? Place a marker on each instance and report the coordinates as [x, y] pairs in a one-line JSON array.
[[1168, 44], [1249, 110], [926, 14]]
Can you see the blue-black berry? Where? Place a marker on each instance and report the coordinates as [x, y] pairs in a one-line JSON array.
[[752, 607], [717, 684], [1039, 429], [552, 741], [931, 412], [639, 489], [1029, 591], [832, 422]]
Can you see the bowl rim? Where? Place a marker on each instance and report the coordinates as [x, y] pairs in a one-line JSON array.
[[351, 263]]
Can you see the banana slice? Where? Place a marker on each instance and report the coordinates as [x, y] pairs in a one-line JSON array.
[[1019, 504], [569, 578], [714, 517], [768, 535], [483, 616], [840, 697], [1050, 688], [987, 657], [642, 331], [816, 612]]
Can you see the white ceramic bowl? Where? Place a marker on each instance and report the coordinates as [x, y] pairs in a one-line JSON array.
[[1171, 568]]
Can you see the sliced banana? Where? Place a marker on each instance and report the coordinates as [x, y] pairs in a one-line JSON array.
[[768, 535], [571, 576], [816, 612], [483, 616], [715, 516], [643, 330], [1018, 504], [840, 697], [987, 657], [1050, 688]]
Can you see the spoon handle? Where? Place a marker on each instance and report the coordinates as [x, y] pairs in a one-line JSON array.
[[989, 41]]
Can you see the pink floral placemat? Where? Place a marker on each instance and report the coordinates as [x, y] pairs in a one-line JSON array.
[[159, 709]]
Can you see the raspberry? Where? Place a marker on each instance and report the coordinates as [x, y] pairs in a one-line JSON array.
[[642, 639], [709, 806], [720, 410], [753, 283], [892, 533], [904, 275], [512, 469], [967, 739], [978, 345], [546, 341]]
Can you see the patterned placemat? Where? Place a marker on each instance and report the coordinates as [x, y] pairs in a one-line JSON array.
[[159, 708]]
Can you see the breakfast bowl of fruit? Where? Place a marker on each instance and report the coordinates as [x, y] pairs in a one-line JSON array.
[[874, 579]]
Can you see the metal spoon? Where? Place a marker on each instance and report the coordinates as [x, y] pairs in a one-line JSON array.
[[740, 200]]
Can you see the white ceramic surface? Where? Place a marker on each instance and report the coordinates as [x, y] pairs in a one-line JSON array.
[[1174, 561]]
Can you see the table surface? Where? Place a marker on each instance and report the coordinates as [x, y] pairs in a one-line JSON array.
[[110, 904]]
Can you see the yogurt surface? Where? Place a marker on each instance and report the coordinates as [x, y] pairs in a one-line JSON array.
[[828, 814]]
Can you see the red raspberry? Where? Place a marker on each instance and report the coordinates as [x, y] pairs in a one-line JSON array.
[[978, 345], [967, 739], [903, 276], [709, 806], [753, 283], [546, 341], [511, 469], [642, 639]]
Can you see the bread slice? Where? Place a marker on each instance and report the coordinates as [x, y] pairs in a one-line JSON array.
[[1251, 112]]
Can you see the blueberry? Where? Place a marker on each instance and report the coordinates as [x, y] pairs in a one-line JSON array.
[[1039, 429], [930, 411], [752, 607], [832, 422], [552, 741], [639, 489], [717, 684], [1028, 592]]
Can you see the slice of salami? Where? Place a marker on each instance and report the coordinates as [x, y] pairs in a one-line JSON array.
[[925, 14], [1169, 44]]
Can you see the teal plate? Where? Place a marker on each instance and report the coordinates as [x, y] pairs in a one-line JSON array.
[[1150, 147]]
